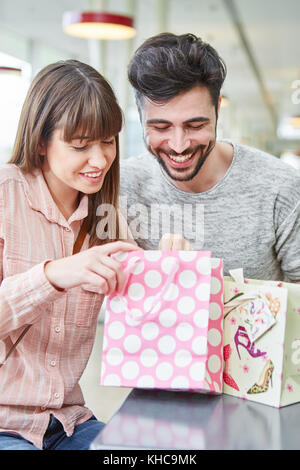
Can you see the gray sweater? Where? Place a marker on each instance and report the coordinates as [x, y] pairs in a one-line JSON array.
[[251, 218]]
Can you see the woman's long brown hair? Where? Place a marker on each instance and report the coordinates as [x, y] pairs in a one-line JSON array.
[[73, 96]]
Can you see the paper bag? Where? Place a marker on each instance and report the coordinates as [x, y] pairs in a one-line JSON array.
[[261, 340], [165, 330]]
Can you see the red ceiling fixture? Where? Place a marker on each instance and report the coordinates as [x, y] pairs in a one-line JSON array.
[[98, 25]]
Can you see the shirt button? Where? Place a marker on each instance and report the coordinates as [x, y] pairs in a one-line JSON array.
[[56, 395], [53, 363], [57, 329], [67, 229]]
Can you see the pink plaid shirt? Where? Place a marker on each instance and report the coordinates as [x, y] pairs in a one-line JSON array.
[[41, 376]]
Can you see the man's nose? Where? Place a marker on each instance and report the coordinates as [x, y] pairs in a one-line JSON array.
[[179, 140]]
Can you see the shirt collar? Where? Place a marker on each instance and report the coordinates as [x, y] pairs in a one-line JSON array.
[[40, 199]]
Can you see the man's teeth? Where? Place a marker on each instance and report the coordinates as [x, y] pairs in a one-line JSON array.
[[180, 159], [93, 175]]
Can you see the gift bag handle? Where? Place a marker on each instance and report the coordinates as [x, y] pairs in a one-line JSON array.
[[128, 271]]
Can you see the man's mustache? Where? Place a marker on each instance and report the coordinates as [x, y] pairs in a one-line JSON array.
[[188, 151]]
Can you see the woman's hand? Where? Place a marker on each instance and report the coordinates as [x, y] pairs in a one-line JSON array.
[[173, 241], [93, 269]]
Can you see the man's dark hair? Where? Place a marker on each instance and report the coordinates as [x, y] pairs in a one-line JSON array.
[[167, 65]]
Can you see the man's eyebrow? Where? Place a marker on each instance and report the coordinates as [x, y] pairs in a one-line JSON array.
[[158, 121], [188, 121], [197, 119]]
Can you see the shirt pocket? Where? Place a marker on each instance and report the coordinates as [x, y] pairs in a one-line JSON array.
[[17, 265], [83, 307]]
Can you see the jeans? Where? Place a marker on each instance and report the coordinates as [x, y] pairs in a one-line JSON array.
[[55, 437]]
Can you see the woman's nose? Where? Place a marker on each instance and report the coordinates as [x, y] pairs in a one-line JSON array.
[[97, 157]]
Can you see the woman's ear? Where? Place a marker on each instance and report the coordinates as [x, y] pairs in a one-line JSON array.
[[42, 148]]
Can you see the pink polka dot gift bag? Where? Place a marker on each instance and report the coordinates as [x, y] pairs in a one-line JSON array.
[[165, 330]]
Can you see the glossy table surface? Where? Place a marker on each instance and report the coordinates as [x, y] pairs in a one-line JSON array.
[[158, 419]]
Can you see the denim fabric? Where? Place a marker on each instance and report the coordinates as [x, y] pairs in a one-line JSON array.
[[55, 437]]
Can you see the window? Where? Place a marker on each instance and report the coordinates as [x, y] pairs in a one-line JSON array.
[[15, 76]]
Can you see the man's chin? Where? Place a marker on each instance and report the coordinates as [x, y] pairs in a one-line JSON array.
[[186, 173]]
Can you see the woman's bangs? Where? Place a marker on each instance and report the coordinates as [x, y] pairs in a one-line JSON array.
[[92, 116]]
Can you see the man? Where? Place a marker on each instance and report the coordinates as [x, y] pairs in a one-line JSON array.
[[238, 202]]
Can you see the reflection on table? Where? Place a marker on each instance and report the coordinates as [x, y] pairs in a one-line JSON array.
[[157, 419]]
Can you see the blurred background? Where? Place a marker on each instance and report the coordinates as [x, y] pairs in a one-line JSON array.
[[259, 42]]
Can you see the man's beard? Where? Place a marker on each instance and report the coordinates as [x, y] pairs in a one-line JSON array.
[[204, 153]]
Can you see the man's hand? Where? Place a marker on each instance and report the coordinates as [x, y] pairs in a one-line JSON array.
[[173, 241]]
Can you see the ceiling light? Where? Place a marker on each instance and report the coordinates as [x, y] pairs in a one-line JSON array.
[[98, 25], [224, 101], [294, 121], [10, 70]]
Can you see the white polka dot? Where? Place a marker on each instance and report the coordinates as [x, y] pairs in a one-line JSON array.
[[197, 371], [117, 305], [180, 382], [167, 264], [136, 291], [214, 337], [116, 330], [134, 318], [130, 370], [150, 331], [203, 292], [184, 331], [203, 265], [166, 344], [152, 255], [148, 304], [182, 358], [164, 371], [146, 381], [148, 357], [139, 268], [186, 305], [215, 311], [199, 345], [180, 429], [187, 278], [114, 356], [171, 293], [147, 440], [214, 363], [121, 255], [168, 317], [163, 434], [112, 380], [215, 285], [152, 278], [201, 318], [132, 343], [187, 255]]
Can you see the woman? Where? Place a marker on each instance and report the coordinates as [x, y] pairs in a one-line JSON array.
[[65, 164]]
